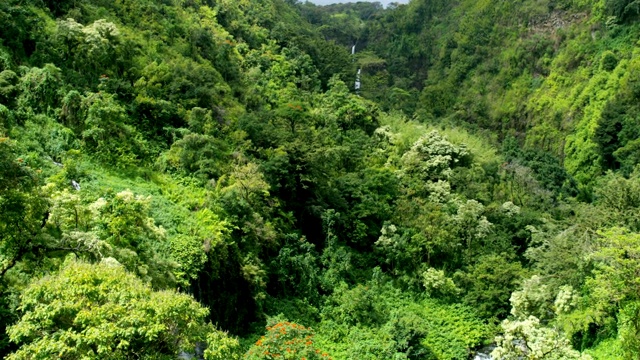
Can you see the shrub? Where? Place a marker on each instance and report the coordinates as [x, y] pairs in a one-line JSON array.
[[286, 340]]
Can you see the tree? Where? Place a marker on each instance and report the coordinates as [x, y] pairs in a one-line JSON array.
[[134, 239], [119, 226], [432, 157], [89, 50], [286, 340], [616, 278], [347, 110], [202, 156], [471, 224], [103, 312], [488, 283], [40, 89], [22, 208], [620, 198], [528, 339], [107, 121], [437, 284], [526, 336], [8, 87]]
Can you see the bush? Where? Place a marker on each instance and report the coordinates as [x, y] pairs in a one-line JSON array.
[[103, 312], [286, 340], [609, 61]]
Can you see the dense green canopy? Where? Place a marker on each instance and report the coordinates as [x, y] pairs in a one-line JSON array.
[[201, 178], [102, 312]]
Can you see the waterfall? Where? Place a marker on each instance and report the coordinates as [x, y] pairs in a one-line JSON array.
[[353, 58]]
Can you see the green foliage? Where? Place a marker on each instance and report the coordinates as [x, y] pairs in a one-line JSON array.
[[101, 311], [22, 205], [546, 169], [297, 268], [199, 155], [629, 329], [220, 346], [87, 47], [453, 330], [20, 27], [616, 260], [107, 121], [8, 86], [534, 299], [39, 89], [561, 257], [488, 284], [609, 349], [609, 61], [623, 9], [438, 285], [350, 111], [619, 196], [23, 209], [6, 118], [216, 147], [377, 321], [133, 237]]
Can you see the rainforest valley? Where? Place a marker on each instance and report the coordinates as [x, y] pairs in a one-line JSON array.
[[203, 179]]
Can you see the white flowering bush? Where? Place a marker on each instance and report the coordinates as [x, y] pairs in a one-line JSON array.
[[432, 157], [528, 339], [437, 284]]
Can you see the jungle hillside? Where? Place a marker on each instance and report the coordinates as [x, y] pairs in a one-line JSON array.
[[272, 179]]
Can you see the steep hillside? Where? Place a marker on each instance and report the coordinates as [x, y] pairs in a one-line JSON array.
[[557, 75], [200, 177]]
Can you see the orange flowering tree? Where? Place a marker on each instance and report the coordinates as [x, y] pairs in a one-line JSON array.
[[286, 341]]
